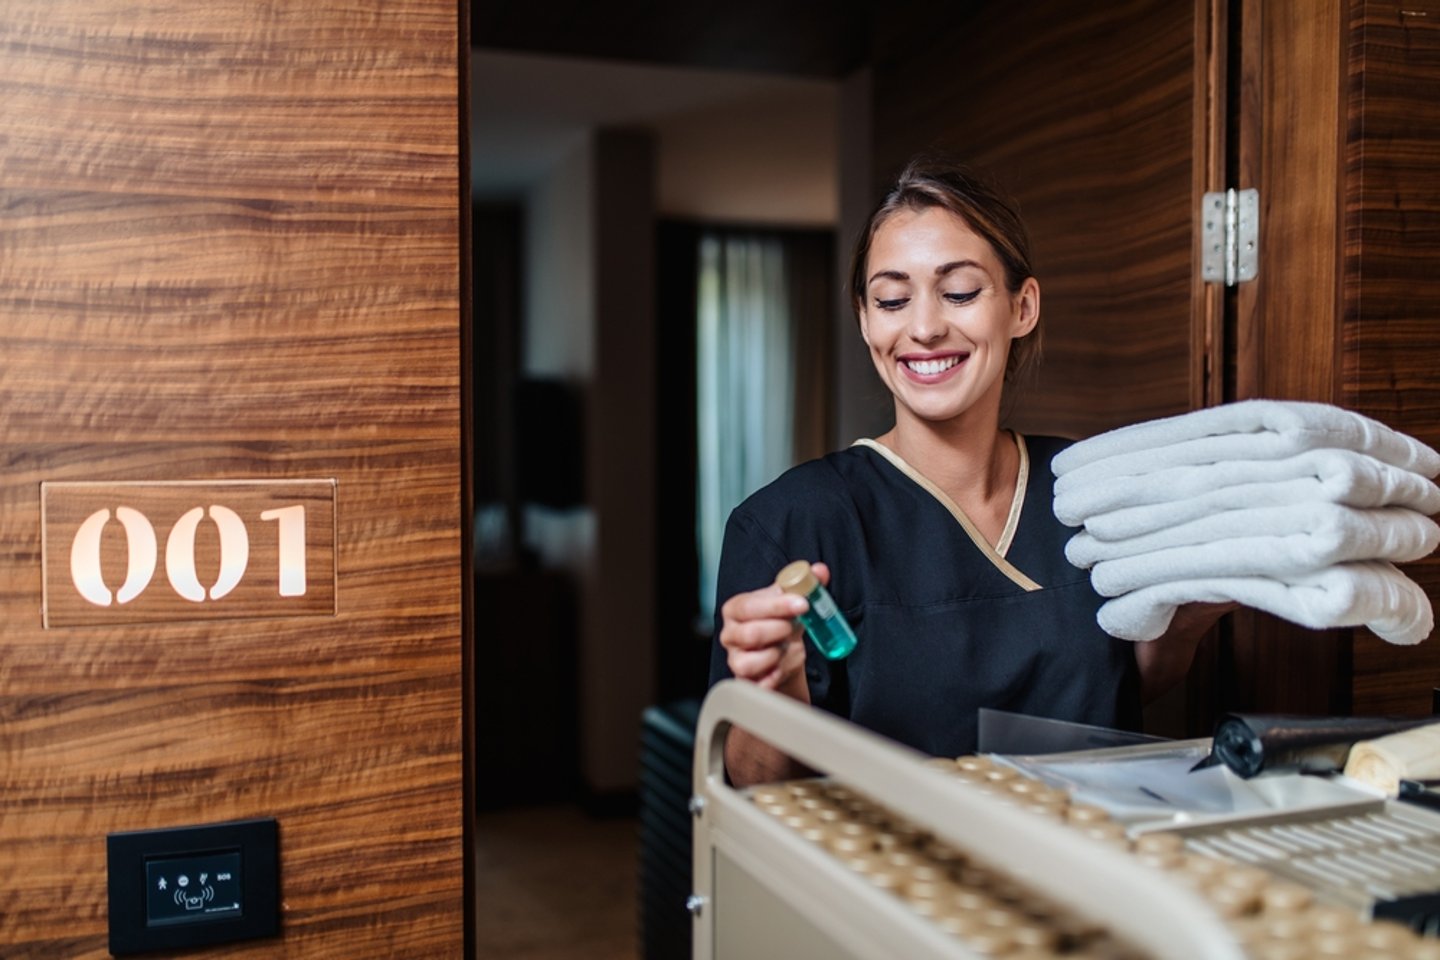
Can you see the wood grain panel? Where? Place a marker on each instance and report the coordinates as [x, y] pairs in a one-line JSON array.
[[1287, 319], [1290, 127], [1088, 115], [347, 731], [210, 305], [1391, 321], [229, 251]]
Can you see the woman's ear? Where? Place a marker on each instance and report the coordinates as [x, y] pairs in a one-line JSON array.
[[1027, 307], [864, 320]]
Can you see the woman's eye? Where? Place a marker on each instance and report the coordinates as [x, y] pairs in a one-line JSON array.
[[962, 297], [895, 304]]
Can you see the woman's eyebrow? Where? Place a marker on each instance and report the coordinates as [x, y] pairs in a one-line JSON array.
[[888, 275], [945, 268]]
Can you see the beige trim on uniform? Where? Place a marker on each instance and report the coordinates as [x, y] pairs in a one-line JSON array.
[[1022, 479], [996, 553]]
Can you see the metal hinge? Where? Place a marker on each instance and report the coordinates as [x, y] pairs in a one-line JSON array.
[[1230, 236]]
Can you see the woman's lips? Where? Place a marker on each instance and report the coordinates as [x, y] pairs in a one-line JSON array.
[[932, 369]]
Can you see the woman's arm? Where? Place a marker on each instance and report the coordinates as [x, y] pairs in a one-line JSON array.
[[750, 760], [763, 644], [1165, 660]]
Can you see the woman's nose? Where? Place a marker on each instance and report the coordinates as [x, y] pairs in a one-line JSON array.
[[926, 324]]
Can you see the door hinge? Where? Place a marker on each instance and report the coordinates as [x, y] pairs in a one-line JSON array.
[[1230, 236]]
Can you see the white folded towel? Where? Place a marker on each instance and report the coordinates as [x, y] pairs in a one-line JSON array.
[[1248, 430], [1394, 532], [1410, 537], [1132, 506], [1367, 593]]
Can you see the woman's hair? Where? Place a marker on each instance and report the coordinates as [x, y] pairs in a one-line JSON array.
[[937, 182]]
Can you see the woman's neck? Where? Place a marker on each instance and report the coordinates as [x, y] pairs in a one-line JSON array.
[[969, 457]]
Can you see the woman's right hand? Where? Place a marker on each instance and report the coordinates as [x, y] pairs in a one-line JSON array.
[[762, 640]]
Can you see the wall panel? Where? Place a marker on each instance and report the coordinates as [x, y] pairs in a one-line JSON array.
[[229, 249], [1389, 329], [1095, 119]]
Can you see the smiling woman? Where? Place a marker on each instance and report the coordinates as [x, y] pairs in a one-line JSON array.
[[939, 535], [939, 315], [935, 185]]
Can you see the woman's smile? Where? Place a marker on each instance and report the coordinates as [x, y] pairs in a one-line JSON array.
[[932, 368]]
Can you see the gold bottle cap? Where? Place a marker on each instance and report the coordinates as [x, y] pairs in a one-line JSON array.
[[814, 833], [957, 924], [1233, 901], [1108, 831], [1385, 936], [1085, 813], [1246, 878], [797, 578], [924, 889], [969, 900], [1332, 919], [1036, 936], [1285, 926], [1163, 843], [1332, 945], [1206, 868], [844, 844], [1424, 950], [1286, 897], [1281, 950], [884, 879]]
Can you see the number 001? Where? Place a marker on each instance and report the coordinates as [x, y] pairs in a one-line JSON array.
[[180, 554]]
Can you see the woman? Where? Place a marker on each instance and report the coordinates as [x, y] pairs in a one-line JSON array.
[[939, 534]]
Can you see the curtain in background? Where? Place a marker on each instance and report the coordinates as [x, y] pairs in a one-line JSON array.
[[762, 352]]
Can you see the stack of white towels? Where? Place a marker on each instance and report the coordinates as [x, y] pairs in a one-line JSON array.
[[1298, 509]]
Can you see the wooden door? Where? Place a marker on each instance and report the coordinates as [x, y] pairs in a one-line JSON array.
[[229, 252]]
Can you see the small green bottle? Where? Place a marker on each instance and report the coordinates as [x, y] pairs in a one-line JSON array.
[[823, 621]]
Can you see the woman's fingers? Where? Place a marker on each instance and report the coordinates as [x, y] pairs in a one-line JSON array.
[[822, 573], [760, 635], [791, 661], [756, 634], [758, 619], [758, 665], [767, 603]]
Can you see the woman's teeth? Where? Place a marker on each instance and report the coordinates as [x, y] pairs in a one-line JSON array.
[[928, 368]]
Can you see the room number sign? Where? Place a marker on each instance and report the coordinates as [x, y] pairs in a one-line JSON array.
[[178, 551]]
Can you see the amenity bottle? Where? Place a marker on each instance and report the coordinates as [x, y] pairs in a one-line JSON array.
[[823, 621]]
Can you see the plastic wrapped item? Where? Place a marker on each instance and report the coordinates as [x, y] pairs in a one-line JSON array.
[[1251, 744]]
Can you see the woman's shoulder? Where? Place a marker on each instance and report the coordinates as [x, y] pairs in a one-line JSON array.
[[825, 483], [808, 511]]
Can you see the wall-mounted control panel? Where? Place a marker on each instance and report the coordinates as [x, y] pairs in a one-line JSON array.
[[193, 886]]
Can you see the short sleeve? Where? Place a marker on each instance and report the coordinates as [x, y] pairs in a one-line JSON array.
[[749, 559]]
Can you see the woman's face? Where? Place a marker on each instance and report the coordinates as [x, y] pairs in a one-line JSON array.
[[937, 316]]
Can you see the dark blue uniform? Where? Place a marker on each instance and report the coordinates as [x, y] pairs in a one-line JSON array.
[[946, 625]]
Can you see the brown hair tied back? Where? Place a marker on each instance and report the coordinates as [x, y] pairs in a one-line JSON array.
[[929, 181]]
